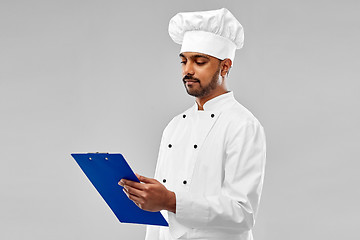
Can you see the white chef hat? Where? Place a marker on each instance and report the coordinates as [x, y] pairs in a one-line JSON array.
[[216, 33]]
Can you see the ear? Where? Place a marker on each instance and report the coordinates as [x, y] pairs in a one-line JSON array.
[[226, 65]]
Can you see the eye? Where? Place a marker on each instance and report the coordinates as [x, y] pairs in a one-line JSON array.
[[200, 63], [183, 62]]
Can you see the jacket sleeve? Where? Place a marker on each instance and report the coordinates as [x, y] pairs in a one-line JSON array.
[[234, 208]]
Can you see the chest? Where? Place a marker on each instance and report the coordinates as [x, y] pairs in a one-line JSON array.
[[193, 152]]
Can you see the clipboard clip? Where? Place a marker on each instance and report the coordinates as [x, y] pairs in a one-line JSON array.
[[98, 153]]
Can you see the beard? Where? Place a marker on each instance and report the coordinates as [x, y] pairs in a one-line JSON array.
[[203, 90]]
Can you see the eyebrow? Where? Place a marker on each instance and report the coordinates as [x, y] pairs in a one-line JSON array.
[[195, 56]]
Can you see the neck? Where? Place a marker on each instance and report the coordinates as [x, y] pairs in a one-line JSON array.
[[202, 100]]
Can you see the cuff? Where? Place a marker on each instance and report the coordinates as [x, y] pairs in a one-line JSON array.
[[191, 211]]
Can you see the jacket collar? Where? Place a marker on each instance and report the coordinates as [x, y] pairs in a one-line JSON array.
[[217, 103]]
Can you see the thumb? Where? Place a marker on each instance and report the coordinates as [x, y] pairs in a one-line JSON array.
[[145, 179]]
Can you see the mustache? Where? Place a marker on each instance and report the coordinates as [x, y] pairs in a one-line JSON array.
[[190, 78]]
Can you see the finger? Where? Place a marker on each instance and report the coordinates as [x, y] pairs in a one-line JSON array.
[[135, 199], [125, 192], [146, 179], [128, 194], [131, 184], [133, 191]]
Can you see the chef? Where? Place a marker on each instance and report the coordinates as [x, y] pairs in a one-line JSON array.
[[210, 169]]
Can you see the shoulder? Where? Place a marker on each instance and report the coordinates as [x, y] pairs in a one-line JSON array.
[[242, 126], [237, 116]]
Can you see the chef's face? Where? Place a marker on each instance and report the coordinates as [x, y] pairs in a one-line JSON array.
[[200, 73]]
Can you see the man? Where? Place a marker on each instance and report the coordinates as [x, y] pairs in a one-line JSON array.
[[211, 162]]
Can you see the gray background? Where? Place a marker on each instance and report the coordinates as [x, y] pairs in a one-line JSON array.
[[83, 76]]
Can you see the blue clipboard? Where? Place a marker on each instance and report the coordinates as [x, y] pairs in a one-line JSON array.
[[105, 170]]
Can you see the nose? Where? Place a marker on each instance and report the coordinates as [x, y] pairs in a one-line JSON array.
[[188, 69]]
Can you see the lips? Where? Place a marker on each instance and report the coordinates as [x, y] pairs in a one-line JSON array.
[[190, 83], [190, 80]]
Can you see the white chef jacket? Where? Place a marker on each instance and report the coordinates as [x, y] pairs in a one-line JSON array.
[[214, 162]]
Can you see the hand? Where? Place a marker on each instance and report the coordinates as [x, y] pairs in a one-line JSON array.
[[149, 194]]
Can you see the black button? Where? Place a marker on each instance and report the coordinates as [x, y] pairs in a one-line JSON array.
[[184, 182], [212, 115], [164, 180], [184, 116], [195, 146], [170, 145]]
